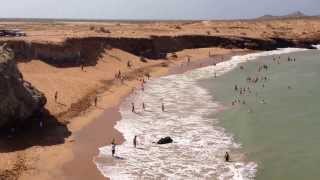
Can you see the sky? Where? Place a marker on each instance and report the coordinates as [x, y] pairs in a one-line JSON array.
[[154, 9]]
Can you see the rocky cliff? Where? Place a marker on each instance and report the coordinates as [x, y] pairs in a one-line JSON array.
[[19, 100], [87, 50]]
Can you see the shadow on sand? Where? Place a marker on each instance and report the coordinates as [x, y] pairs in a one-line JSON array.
[[31, 134]]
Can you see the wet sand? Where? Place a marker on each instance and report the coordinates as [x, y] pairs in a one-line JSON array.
[[95, 135]]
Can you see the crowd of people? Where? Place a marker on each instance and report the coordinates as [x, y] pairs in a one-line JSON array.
[[257, 79]]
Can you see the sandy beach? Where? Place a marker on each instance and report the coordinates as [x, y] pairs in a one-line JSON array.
[[93, 127], [67, 148], [87, 144]]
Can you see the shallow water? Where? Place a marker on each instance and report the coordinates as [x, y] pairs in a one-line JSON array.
[[199, 142], [282, 135]]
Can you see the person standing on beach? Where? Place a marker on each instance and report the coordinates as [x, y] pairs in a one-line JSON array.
[[162, 107], [135, 141], [227, 157], [113, 148], [148, 76], [133, 109], [56, 96]]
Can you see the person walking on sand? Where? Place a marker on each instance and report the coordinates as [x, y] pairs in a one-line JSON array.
[[56, 96], [143, 106], [135, 141], [227, 157], [95, 101], [82, 67], [133, 109], [119, 74]]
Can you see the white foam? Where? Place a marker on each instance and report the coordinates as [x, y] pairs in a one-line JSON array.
[[316, 46], [199, 144]]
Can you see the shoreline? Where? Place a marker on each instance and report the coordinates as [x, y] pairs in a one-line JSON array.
[[87, 143]]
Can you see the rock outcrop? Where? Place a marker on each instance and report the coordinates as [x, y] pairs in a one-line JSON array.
[[165, 140], [19, 100]]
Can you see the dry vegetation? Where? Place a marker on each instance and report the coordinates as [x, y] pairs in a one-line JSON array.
[[288, 28]]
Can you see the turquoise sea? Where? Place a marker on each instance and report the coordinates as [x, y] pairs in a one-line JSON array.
[[277, 121]]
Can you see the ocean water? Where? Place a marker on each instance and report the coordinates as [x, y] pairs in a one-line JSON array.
[[192, 119], [282, 134]]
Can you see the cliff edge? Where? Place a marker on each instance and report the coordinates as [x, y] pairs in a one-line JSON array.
[[19, 100]]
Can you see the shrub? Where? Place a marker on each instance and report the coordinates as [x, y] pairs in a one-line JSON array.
[[102, 29], [164, 64], [174, 55], [143, 59]]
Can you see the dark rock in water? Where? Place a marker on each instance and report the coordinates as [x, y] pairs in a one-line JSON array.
[[19, 100], [165, 140]]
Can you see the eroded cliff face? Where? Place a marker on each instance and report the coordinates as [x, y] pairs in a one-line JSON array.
[[87, 50], [19, 100]]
